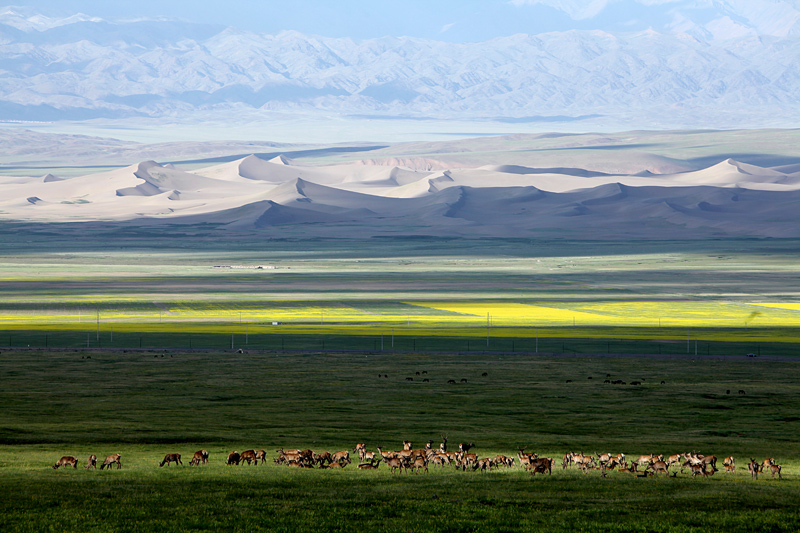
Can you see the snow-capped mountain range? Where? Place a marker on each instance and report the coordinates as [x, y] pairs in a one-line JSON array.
[[721, 64]]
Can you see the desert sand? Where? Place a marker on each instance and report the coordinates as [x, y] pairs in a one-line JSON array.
[[364, 198]]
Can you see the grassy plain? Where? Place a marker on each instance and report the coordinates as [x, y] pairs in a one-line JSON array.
[[146, 404], [296, 387]]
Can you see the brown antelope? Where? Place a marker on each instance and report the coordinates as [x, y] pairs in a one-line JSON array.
[[341, 456], [698, 469], [675, 458], [584, 462], [171, 458], [443, 445], [541, 465], [525, 458], [775, 469], [386, 455], [261, 455], [368, 457], [658, 467], [322, 458], [647, 459], [370, 466], [66, 461], [249, 456], [503, 460], [407, 445], [567, 460], [417, 464], [440, 460], [729, 464], [753, 467], [110, 460], [467, 459], [611, 464], [233, 458], [91, 462], [360, 449], [710, 460], [766, 463], [395, 463], [483, 465], [464, 448], [603, 458], [199, 457]]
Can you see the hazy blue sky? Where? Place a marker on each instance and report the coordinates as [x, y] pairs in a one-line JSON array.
[[449, 20]]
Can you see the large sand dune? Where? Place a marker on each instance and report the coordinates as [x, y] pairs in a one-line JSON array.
[[279, 197]]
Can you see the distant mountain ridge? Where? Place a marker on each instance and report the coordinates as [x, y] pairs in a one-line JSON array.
[[84, 67]]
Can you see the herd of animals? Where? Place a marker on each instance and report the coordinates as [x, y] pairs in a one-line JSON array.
[[418, 459]]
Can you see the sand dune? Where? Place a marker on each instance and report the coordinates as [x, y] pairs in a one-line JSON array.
[[281, 197]]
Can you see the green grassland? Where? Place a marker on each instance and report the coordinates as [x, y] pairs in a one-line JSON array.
[[130, 352], [149, 403]]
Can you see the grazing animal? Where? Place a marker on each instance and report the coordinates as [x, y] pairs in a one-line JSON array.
[[741, 391], [323, 457], [753, 467], [729, 464], [66, 461], [91, 462], [395, 463], [766, 463], [465, 447], [341, 456], [370, 466], [418, 463], [485, 374], [360, 449], [110, 460], [773, 469], [675, 458], [199, 457], [171, 458], [659, 467], [249, 456], [233, 458], [467, 459], [541, 465], [443, 445], [483, 464], [451, 381], [463, 380], [261, 455]]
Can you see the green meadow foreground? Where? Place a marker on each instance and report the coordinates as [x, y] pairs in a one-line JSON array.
[[145, 404]]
